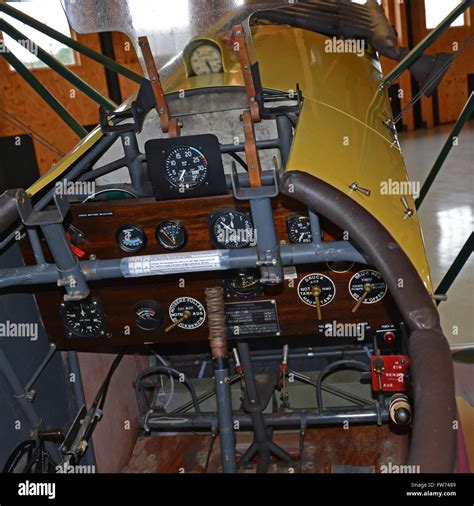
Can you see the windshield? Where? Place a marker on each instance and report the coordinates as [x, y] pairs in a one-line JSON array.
[[169, 26]]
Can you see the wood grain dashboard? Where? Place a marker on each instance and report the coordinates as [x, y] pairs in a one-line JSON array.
[[297, 321]]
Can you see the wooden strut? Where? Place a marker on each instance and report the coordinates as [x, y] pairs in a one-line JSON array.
[[169, 125], [241, 48], [253, 114]]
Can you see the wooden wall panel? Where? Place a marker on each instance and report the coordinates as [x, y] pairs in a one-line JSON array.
[[453, 90]]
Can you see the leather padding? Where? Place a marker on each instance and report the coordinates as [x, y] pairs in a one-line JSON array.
[[433, 442]]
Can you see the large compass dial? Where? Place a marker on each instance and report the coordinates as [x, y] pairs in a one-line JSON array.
[[186, 168]]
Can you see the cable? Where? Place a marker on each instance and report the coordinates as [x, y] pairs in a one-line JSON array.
[[108, 190], [171, 394], [238, 159], [211, 445], [30, 132]]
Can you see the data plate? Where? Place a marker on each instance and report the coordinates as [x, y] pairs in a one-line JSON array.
[[252, 319]]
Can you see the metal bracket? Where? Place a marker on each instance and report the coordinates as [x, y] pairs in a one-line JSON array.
[[32, 218], [255, 192]]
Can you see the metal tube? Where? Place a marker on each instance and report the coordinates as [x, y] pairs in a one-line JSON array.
[[44, 94], [58, 67], [264, 144], [291, 254], [463, 117], [456, 266], [285, 135], [420, 48], [281, 421], [36, 245], [68, 41], [18, 391], [40, 368], [78, 388], [134, 163]]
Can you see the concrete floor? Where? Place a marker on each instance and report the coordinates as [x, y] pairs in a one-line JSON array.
[[446, 217]]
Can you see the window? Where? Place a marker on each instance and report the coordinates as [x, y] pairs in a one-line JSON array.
[[49, 12], [437, 10]]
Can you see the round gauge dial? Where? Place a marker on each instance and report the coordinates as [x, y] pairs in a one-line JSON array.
[[83, 318], [131, 238], [190, 311], [232, 229], [147, 315], [368, 284], [311, 281], [245, 283], [340, 266], [206, 59], [299, 229], [186, 168], [171, 234]]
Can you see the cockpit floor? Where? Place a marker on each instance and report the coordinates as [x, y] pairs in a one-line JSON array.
[[326, 450]]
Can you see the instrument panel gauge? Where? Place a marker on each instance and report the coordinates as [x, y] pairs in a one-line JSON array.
[[187, 313], [245, 283], [367, 285], [232, 229], [299, 229], [206, 59], [316, 285], [186, 168], [340, 266], [83, 319], [147, 315], [171, 235], [131, 238]]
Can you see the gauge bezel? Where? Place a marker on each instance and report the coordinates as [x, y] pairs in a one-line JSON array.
[[290, 220], [231, 291], [183, 325], [313, 304], [71, 333], [197, 45], [213, 217], [351, 265], [167, 246], [152, 304], [366, 301], [203, 179], [125, 249]]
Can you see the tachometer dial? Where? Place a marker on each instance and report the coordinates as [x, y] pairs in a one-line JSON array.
[[171, 234], [147, 315], [299, 229], [131, 238], [186, 168], [206, 59], [188, 311], [368, 284], [232, 229], [326, 290], [83, 318]]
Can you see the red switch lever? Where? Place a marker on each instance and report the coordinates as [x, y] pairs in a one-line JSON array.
[[77, 251]]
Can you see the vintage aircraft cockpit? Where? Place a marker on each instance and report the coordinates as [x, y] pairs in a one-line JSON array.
[[224, 233]]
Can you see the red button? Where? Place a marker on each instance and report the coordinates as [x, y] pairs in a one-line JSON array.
[[389, 337]]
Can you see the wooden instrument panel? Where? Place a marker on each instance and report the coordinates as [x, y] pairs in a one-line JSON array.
[[99, 222]]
